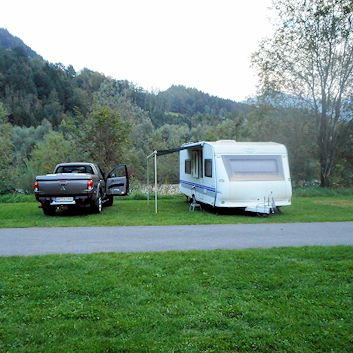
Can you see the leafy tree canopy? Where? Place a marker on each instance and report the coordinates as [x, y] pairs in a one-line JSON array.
[[311, 57]]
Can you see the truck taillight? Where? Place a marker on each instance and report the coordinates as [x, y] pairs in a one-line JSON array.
[[90, 184], [36, 186]]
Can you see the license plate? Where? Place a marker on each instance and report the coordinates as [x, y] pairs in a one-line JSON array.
[[63, 199]]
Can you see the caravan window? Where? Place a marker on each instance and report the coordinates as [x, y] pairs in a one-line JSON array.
[[208, 168], [187, 166], [195, 164], [254, 168]]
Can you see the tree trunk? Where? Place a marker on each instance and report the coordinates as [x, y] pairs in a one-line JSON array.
[[324, 180]]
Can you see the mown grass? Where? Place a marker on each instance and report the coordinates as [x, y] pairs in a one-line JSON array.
[[175, 211], [274, 300], [138, 195]]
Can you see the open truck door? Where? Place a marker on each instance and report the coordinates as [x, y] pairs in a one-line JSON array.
[[118, 181]]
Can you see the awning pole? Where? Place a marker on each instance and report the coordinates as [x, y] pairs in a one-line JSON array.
[[155, 183], [148, 185], [148, 176]]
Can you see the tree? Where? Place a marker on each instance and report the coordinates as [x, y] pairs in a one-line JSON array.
[[344, 168], [61, 150], [310, 56], [48, 152], [6, 152], [293, 127], [25, 138], [104, 137]]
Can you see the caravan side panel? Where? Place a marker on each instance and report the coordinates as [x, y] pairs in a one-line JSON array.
[[194, 164]]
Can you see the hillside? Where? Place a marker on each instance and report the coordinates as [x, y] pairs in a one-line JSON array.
[[32, 90], [50, 113], [183, 100], [48, 104], [8, 41]]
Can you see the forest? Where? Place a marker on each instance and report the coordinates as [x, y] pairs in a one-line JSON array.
[[50, 113]]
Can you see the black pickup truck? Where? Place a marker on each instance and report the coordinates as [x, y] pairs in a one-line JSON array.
[[80, 184]]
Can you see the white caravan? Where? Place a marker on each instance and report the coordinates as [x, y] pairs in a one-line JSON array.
[[250, 175]]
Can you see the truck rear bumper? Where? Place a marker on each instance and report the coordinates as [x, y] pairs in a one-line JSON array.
[[58, 202], [82, 200]]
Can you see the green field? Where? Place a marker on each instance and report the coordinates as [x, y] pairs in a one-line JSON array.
[[274, 300], [173, 211], [269, 300]]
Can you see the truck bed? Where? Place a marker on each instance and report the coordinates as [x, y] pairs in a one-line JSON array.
[[65, 184]]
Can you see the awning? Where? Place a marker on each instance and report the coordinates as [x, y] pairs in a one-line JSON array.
[[162, 153], [176, 149]]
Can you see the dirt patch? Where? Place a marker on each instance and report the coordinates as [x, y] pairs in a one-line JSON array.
[[337, 203]]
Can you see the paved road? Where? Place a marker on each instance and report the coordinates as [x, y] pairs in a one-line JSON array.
[[39, 241]]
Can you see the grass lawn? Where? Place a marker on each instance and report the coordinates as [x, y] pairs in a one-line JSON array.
[[273, 300], [174, 211]]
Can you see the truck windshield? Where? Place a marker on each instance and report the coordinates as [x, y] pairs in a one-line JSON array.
[[253, 168], [74, 169]]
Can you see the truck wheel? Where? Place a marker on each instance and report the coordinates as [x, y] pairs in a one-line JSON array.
[[109, 201], [97, 206], [49, 210]]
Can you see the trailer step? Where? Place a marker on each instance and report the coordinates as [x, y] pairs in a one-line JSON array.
[[194, 205]]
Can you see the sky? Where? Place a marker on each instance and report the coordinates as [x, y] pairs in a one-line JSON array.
[[203, 44]]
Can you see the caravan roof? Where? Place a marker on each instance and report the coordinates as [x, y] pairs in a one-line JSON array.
[[233, 147]]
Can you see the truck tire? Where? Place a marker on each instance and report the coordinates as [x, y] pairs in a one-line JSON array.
[[97, 205], [109, 201], [49, 210]]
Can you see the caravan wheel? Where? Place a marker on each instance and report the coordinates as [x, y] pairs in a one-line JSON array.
[[262, 214]]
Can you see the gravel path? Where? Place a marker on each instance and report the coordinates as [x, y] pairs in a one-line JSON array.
[[40, 241]]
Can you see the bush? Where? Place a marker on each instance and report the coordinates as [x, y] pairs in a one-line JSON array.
[[318, 191], [15, 198]]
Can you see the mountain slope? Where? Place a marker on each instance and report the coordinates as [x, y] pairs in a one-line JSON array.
[[184, 100], [33, 89], [8, 41]]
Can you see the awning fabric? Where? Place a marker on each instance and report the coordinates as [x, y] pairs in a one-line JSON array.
[[177, 149]]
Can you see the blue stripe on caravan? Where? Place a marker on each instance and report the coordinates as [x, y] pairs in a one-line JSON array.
[[198, 185]]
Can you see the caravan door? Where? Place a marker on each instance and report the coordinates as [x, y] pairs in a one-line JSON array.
[[196, 174], [118, 181], [208, 176]]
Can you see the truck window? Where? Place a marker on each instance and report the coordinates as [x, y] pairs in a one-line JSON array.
[[100, 171], [74, 169]]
